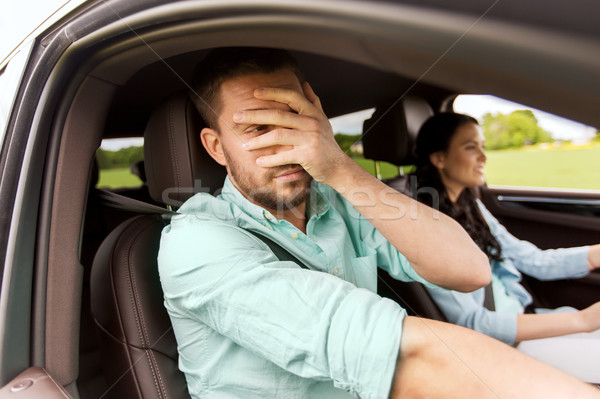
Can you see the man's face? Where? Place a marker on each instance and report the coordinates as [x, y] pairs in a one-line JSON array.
[[278, 188]]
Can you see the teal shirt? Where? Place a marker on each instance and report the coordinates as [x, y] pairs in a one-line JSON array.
[[251, 326]]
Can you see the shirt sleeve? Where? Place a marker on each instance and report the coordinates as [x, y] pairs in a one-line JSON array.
[[466, 309], [309, 323], [550, 264]]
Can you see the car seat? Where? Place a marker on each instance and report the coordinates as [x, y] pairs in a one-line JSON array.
[[139, 351], [390, 135]]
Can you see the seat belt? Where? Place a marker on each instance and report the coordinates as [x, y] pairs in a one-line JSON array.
[[122, 202], [488, 299], [280, 252]]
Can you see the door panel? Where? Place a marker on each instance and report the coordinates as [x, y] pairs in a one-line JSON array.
[[34, 383], [551, 219]]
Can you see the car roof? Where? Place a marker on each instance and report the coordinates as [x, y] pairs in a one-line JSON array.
[[356, 53]]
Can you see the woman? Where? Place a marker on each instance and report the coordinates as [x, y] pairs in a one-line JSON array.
[[451, 161]]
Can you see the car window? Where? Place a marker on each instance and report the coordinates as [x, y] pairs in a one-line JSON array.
[[348, 133], [120, 163], [10, 76], [526, 147]]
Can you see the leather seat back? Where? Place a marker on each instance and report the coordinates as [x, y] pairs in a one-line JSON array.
[[139, 351], [135, 334]]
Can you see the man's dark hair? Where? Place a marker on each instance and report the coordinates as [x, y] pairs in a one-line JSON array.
[[225, 63]]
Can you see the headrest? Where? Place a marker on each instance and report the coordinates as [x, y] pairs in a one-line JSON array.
[[139, 170], [177, 165], [390, 134]]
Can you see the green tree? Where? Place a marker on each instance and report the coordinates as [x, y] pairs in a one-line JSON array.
[[122, 158], [515, 130]]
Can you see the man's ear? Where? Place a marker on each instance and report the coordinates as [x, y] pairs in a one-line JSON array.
[[438, 159], [212, 143]]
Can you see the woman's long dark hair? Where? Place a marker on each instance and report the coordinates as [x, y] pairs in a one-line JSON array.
[[435, 135]]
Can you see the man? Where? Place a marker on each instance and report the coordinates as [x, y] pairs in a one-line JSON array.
[[251, 325]]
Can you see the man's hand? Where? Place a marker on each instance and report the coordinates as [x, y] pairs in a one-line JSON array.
[[456, 263], [306, 130]]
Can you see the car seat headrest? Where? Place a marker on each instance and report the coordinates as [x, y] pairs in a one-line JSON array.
[[177, 165], [390, 134]]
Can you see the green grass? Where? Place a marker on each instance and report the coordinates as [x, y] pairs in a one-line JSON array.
[[387, 169], [118, 178], [569, 167]]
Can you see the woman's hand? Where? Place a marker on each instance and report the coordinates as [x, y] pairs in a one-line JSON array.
[[594, 257], [590, 317]]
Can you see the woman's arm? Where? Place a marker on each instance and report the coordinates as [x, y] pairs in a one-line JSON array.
[[550, 264], [466, 309], [594, 257], [546, 325]]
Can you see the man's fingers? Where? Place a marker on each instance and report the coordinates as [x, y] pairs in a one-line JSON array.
[[274, 137], [311, 96], [295, 100], [275, 117], [289, 157]]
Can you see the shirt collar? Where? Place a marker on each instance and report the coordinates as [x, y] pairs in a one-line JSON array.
[[316, 206]]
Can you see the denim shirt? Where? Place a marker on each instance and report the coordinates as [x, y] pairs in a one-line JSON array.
[[251, 326], [466, 309]]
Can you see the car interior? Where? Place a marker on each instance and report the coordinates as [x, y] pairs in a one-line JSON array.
[[99, 325], [139, 357]]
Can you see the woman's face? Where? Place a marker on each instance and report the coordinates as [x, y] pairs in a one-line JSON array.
[[462, 164]]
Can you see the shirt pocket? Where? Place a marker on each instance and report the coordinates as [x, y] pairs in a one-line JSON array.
[[365, 271]]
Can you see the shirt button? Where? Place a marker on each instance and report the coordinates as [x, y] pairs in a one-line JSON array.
[[268, 227], [294, 235], [267, 216], [336, 271]]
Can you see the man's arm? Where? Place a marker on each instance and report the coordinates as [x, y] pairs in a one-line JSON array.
[[437, 246], [443, 360]]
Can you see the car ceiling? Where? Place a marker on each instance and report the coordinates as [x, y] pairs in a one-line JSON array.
[[362, 53], [342, 87]]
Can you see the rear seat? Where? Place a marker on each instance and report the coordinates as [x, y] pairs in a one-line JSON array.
[[390, 135]]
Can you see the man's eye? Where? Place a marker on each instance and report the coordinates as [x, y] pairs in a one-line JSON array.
[[257, 129]]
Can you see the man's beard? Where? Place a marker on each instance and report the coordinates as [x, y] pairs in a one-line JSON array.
[[260, 191]]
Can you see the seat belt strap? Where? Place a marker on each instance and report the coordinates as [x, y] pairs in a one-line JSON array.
[[488, 299], [119, 201], [280, 252]]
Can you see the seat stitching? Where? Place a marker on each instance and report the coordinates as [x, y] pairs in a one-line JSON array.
[[116, 298], [160, 383], [132, 295], [140, 318], [173, 152]]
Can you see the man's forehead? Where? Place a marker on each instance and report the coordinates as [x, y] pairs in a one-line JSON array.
[[240, 91], [245, 84]]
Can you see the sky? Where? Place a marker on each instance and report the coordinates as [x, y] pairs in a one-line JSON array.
[[20, 17]]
